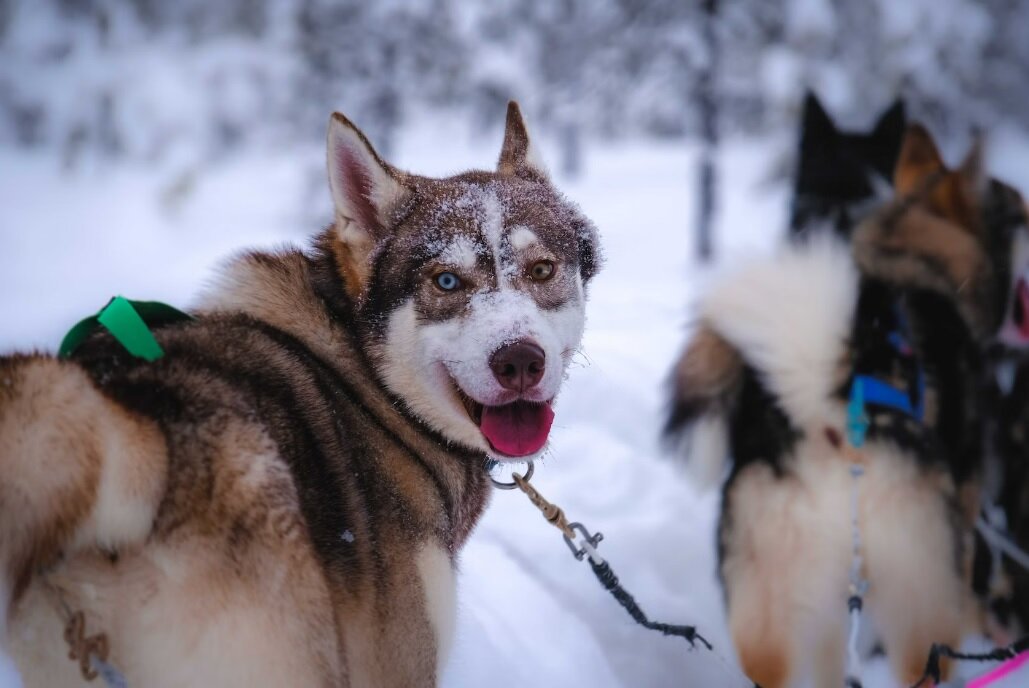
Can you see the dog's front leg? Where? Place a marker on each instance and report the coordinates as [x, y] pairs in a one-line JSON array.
[[77, 471]]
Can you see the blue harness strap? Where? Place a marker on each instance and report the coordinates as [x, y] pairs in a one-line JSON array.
[[879, 393], [867, 390]]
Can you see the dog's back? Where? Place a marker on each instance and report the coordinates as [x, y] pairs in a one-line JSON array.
[[242, 491]]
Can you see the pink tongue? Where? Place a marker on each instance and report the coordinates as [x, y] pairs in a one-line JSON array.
[[517, 429], [1023, 295]]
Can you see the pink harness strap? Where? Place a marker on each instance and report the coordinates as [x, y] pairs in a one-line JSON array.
[[1007, 668]]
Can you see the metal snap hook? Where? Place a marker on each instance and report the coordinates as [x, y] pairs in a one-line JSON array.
[[587, 545]]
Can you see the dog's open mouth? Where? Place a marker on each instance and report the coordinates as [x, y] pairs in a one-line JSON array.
[[520, 428]]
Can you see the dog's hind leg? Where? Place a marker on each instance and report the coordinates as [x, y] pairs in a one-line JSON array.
[[785, 573], [77, 471], [917, 593], [762, 640]]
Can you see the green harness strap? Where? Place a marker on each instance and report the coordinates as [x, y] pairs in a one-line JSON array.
[[129, 322]]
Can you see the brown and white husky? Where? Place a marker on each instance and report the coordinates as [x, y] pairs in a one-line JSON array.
[[280, 499], [906, 306]]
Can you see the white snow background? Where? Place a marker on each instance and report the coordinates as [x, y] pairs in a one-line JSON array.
[[529, 614]]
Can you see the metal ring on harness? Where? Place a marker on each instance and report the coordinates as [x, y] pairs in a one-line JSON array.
[[511, 485]]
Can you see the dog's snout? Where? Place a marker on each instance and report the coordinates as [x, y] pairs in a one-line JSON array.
[[518, 366]]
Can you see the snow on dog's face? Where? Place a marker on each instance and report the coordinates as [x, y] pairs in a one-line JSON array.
[[470, 289]]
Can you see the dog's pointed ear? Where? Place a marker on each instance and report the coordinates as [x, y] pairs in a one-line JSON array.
[[886, 139], [973, 172], [518, 156], [949, 194], [919, 157], [366, 192], [817, 124], [965, 187], [891, 123]]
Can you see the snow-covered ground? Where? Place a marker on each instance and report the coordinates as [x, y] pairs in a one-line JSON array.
[[529, 614]]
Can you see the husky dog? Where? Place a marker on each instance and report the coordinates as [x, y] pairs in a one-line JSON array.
[[280, 499], [842, 175], [1008, 588], [904, 310]]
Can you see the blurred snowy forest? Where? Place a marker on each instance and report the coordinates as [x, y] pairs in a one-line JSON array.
[[193, 80]]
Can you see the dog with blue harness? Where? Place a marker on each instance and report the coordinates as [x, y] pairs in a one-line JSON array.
[[841, 378]]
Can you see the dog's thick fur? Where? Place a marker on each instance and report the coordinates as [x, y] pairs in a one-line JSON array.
[[842, 175], [281, 498], [1008, 588], [764, 380]]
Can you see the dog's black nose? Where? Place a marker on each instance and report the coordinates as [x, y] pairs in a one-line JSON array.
[[518, 366]]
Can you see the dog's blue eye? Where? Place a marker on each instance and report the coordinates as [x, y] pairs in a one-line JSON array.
[[447, 281]]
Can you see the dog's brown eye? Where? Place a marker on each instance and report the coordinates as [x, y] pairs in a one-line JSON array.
[[542, 270]]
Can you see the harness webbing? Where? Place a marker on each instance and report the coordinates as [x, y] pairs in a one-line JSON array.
[[130, 323], [865, 391], [880, 393]]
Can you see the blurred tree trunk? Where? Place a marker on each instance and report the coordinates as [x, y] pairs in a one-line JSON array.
[[707, 103], [386, 102], [571, 149], [564, 48]]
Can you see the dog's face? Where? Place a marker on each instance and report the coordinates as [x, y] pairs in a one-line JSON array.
[[470, 289], [842, 175], [992, 213]]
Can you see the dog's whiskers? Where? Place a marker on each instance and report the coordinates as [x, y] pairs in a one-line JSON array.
[[575, 353]]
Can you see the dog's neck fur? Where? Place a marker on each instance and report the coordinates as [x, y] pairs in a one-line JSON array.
[[916, 250], [304, 295]]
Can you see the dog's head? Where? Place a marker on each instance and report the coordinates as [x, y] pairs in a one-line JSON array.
[[469, 289], [962, 227], [841, 175]]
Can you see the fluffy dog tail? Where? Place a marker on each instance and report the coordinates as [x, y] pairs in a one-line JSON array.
[[787, 319], [703, 386]]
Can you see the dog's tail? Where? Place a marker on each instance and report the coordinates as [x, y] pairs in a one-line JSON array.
[[703, 385], [78, 470], [785, 319]]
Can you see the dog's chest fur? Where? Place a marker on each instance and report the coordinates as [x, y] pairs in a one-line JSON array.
[[308, 527]]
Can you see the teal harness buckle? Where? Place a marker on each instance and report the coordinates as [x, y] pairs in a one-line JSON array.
[[857, 418]]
